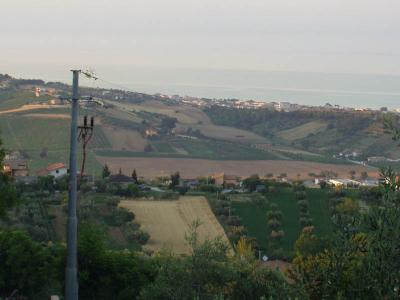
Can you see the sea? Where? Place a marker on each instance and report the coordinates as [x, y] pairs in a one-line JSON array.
[[306, 88]]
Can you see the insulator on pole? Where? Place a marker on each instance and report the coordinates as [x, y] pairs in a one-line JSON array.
[[85, 121], [92, 122]]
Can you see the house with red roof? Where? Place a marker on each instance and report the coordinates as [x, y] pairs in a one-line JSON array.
[[56, 170]]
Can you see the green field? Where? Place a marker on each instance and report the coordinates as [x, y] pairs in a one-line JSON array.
[[254, 216], [202, 148], [10, 100], [302, 131], [35, 136], [319, 211]]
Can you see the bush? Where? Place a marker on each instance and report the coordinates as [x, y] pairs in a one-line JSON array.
[[274, 224], [85, 187], [210, 188], [221, 211], [305, 222], [169, 196], [303, 205], [259, 199], [112, 201], [299, 187], [234, 221], [274, 214], [300, 195], [138, 236], [132, 190], [277, 235]]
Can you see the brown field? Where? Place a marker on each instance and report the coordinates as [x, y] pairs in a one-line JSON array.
[[302, 131], [183, 113], [228, 133], [189, 116], [48, 116], [121, 138], [167, 222], [151, 167]]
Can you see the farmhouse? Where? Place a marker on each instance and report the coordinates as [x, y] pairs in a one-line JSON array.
[[56, 170], [222, 179], [189, 183], [16, 167], [343, 183], [151, 132]]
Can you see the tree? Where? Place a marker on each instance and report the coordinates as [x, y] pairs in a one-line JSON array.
[[134, 176], [348, 207], [8, 193], [27, 268], [46, 183], [308, 243], [175, 179], [251, 182], [107, 274], [148, 148], [106, 171], [362, 261], [364, 175], [352, 174], [167, 124]]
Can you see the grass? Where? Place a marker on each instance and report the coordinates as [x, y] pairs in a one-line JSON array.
[[163, 147], [254, 216], [32, 136], [302, 131], [319, 211], [11, 100], [254, 219], [216, 150], [287, 204]]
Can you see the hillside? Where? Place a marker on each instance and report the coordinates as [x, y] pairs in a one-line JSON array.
[[133, 125], [324, 132]]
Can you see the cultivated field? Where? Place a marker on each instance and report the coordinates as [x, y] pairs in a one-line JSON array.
[[121, 138], [152, 167], [167, 222], [302, 131], [229, 134], [255, 220]]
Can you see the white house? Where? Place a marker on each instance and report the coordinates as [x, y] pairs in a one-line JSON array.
[[56, 170], [343, 183]]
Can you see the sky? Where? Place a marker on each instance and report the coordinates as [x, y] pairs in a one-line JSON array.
[[44, 38]]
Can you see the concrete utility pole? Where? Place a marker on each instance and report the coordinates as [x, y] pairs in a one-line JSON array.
[[71, 271]]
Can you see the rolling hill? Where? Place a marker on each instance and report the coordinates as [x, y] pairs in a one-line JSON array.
[[133, 125]]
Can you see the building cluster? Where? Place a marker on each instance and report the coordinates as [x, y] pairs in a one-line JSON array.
[[16, 166], [282, 106]]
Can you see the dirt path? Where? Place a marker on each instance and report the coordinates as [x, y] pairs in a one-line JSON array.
[[30, 107]]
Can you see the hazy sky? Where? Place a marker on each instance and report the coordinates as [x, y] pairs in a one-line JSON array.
[[352, 36]]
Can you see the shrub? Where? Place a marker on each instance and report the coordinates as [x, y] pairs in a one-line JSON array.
[[300, 195], [305, 222], [274, 214], [303, 205], [277, 235], [234, 221], [169, 196], [112, 201], [274, 224], [139, 236]]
